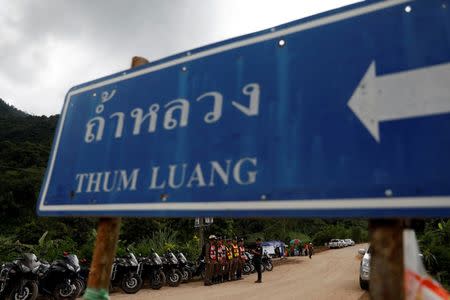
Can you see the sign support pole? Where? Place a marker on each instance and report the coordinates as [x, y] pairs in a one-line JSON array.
[[202, 232], [386, 263], [105, 245]]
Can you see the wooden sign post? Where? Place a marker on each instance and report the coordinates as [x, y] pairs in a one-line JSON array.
[[386, 262], [105, 245]]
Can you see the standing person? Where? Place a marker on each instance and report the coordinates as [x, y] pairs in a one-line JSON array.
[[210, 259], [229, 264], [257, 259], [242, 258], [235, 250], [224, 261], [221, 258], [310, 250]]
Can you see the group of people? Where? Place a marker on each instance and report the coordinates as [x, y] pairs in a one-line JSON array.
[[225, 259]]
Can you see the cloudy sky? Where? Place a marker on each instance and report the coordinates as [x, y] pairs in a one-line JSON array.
[[48, 46]]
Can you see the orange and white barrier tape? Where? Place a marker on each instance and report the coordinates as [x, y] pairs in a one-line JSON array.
[[418, 284]]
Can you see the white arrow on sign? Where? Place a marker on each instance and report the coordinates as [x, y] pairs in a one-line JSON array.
[[408, 94]]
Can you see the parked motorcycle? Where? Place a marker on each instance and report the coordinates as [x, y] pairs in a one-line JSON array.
[[267, 262], [185, 267], [60, 279], [170, 267], [152, 268], [18, 279], [248, 267], [199, 269], [83, 276], [124, 274]]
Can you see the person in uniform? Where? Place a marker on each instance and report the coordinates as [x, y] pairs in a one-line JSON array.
[[229, 247], [235, 263], [257, 259], [242, 258], [211, 260], [221, 259]]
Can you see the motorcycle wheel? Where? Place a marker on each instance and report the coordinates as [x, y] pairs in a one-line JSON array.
[[28, 292], [268, 266], [64, 291], [82, 285], [185, 275], [131, 283], [174, 278], [2, 288], [158, 281], [252, 268], [246, 269]]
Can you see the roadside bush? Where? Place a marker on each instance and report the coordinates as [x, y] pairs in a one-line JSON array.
[[161, 241], [330, 232], [54, 249], [191, 248], [298, 235], [86, 249], [8, 249], [435, 247]]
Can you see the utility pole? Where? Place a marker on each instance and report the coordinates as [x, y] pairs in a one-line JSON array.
[[105, 245]]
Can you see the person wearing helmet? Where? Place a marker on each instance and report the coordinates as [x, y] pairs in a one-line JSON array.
[[210, 259]]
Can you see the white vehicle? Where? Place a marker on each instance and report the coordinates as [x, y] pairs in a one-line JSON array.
[[364, 268], [350, 242], [334, 243], [342, 243]]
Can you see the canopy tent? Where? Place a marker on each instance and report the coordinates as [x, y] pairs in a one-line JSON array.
[[270, 247]]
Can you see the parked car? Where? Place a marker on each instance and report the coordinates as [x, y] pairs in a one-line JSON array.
[[334, 243], [350, 242], [364, 268]]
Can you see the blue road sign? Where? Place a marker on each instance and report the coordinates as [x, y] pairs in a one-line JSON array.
[[346, 113]]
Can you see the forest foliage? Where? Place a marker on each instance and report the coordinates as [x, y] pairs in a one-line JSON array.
[[25, 143]]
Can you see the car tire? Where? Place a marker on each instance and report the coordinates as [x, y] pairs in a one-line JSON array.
[[364, 284]]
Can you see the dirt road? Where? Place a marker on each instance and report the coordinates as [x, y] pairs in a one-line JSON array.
[[331, 274]]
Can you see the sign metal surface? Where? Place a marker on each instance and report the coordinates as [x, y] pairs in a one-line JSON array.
[[342, 114]]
